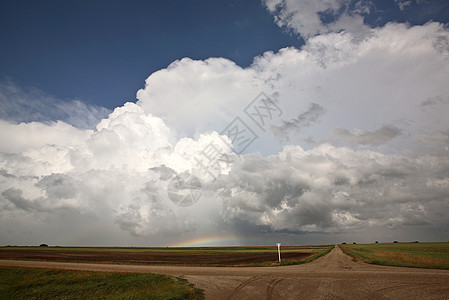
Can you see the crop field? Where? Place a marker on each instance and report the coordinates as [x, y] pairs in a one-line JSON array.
[[199, 256], [423, 255], [23, 283]]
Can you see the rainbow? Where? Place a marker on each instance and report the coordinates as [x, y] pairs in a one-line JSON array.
[[227, 240]]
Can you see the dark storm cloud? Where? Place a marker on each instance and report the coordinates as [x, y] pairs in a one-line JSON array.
[[304, 120], [370, 138], [165, 173], [59, 186], [330, 189], [149, 212], [434, 101], [15, 197]]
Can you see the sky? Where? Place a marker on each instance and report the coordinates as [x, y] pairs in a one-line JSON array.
[[188, 123]]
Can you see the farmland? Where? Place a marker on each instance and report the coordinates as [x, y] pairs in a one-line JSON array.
[[195, 256], [332, 276], [423, 255]]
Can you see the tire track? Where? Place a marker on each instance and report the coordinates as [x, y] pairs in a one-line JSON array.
[[271, 286], [381, 292], [241, 286]]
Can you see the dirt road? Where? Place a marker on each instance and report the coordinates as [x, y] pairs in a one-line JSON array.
[[334, 276]]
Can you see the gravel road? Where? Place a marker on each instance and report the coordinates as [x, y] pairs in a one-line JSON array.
[[334, 276]]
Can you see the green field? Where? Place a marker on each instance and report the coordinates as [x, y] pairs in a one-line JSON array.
[[422, 255], [23, 283]]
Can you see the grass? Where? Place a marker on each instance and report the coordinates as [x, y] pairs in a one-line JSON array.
[[421, 255], [24, 283]]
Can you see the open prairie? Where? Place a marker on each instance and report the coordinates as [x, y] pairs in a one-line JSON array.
[[226, 256], [333, 276], [423, 255]]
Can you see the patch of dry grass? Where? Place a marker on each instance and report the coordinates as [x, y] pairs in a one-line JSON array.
[[407, 258], [424, 255]]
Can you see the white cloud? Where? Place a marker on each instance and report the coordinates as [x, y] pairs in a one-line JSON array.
[[194, 96], [402, 4], [118, 173], [23, 136], [308, 18]]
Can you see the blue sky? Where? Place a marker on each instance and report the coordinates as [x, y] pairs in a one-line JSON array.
[[242, 122], [101, 51]]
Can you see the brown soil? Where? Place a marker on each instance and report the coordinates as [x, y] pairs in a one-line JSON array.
[[150, 258]]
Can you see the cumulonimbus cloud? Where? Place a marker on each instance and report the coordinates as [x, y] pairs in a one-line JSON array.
[[119, 171]]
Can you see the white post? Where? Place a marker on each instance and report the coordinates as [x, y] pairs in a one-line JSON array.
[[279, 251]]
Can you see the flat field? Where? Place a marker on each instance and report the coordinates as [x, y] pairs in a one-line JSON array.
[[333, 276], [195, 256], [422, 255]]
